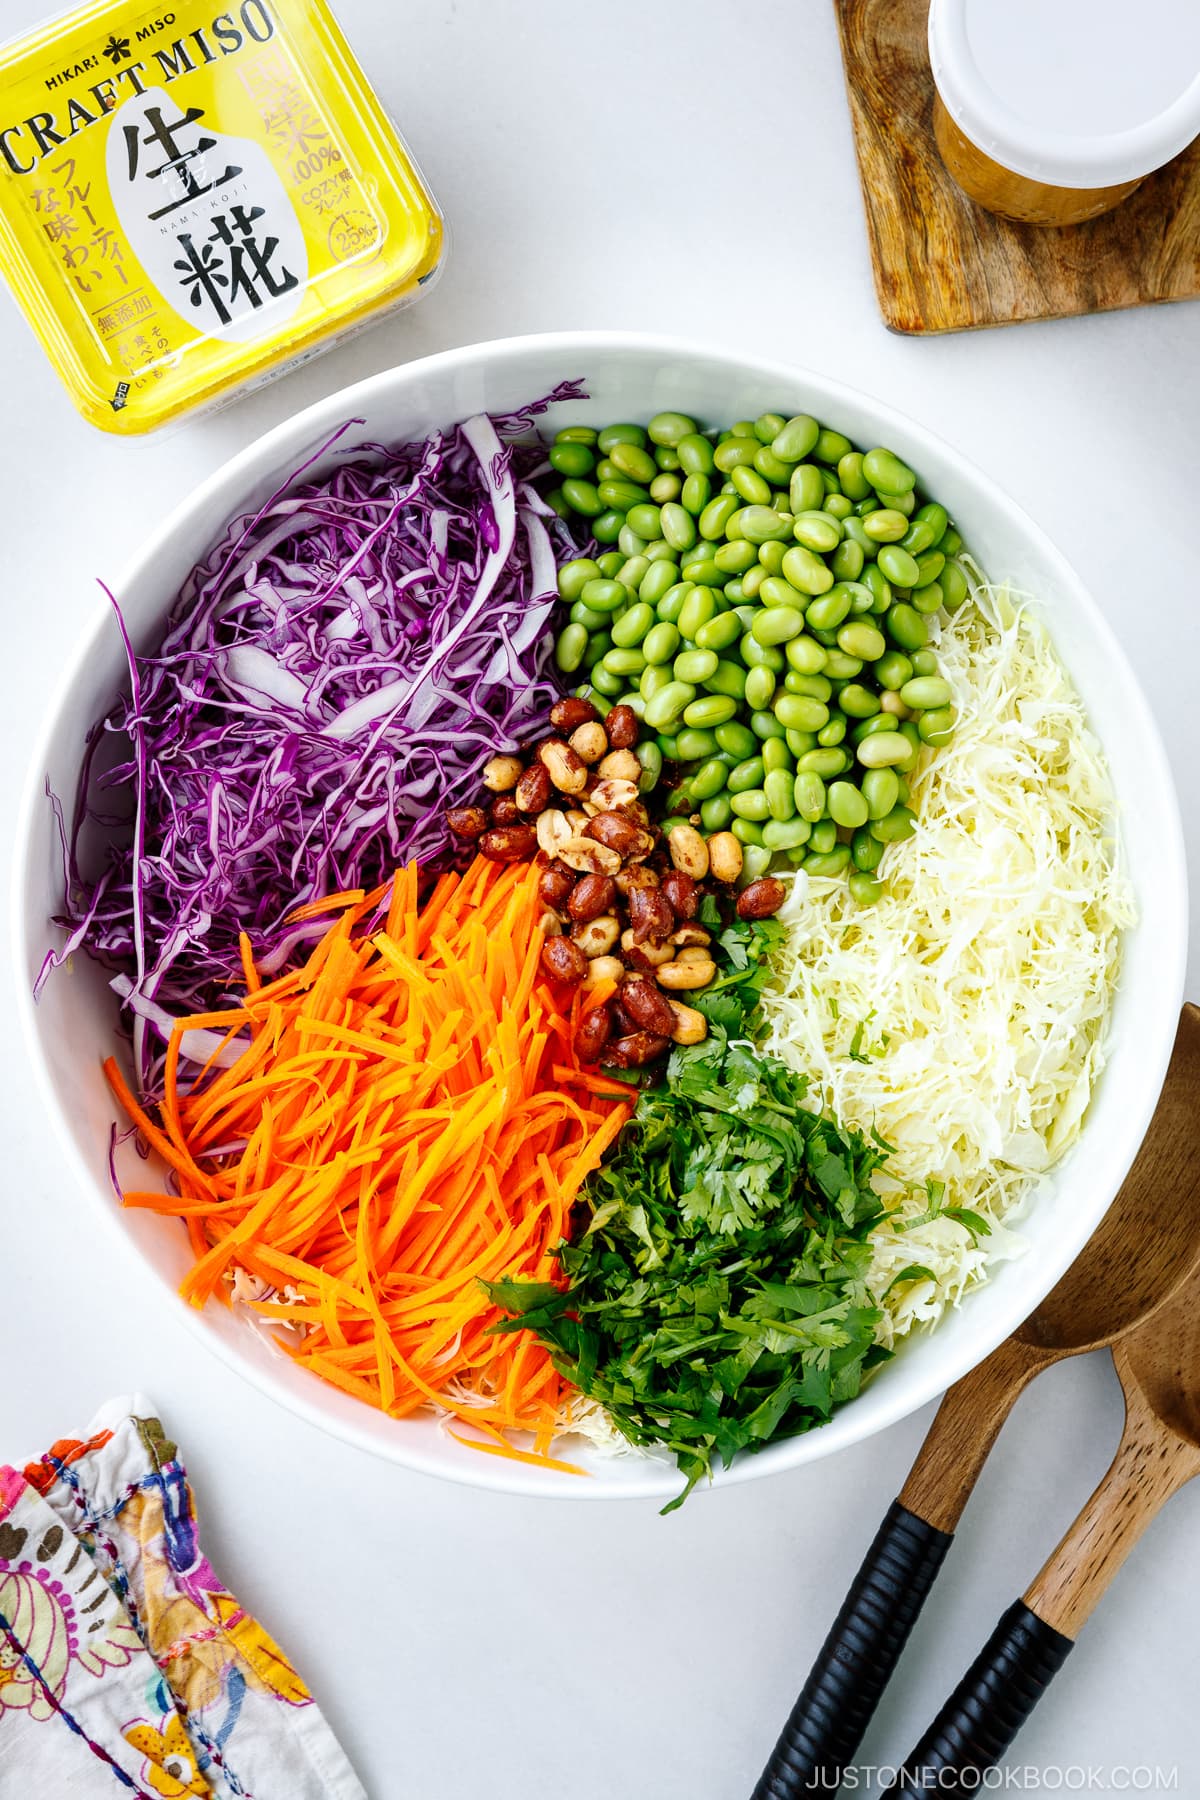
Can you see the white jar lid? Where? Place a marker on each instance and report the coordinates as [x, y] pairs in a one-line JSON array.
[[1077, 93]]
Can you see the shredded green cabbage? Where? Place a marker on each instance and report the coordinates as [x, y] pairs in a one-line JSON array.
[[963, 1015]]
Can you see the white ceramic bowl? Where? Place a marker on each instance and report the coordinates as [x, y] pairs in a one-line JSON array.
[[628, 376]]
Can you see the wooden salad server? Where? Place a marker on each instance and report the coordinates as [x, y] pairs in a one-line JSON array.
[[1146, 1245], [1159, 1367]]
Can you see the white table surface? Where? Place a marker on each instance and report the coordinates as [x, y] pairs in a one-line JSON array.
[[609, 168]]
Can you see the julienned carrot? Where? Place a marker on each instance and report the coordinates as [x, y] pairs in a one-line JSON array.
[[406, 1120]]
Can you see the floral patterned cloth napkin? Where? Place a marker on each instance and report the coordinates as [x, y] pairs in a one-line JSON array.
[[125, 1666]]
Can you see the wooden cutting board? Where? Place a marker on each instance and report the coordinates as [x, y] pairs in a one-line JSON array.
[[944, 264]]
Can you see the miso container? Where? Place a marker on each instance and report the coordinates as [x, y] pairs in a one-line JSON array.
[[1053, 111], [199, 195]]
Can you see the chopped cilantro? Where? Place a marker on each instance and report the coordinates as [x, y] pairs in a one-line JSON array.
[[717, 1300]]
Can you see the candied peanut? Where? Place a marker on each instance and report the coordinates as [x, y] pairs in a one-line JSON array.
[[592, 1033], [604, 968], [621, 765], [691, 1027], [587, 857], [680, 974], [563, 960], [589, 742], [508, 843], [645, 956], [622, 727], [534, 790], [555, 883], [724, 856], [761, 899], [591, 896], [500, 773], [650, 915], [612, 794], [552, 830], [620, 834], [648, 1006], [468, 822], [683, 894], [598, 937], [570, 711], [689, 852], [635, 1050], [567, 771]]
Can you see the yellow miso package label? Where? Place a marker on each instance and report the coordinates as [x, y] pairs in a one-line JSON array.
[[193, 198]]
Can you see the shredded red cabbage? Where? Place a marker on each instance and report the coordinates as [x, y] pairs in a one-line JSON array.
[[329, 682]]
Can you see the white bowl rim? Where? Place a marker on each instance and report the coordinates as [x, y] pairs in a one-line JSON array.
[[311, 425]]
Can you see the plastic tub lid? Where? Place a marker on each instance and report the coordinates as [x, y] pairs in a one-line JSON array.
[[1076, 93]]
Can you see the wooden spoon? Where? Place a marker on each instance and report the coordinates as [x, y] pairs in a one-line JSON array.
[[1141, 1252], [1159, 1366]]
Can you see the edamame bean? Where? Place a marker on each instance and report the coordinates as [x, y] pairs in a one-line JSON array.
[[926, 692], [719, 633], [777, 786], [928, 599], [799, 742], [847, 806], [634, 701], [728, 678], [806, 571], [866, 851], [800, 713], [747, 832], [880, 721], [583, 615], [954, 584], [629, 542], [716, 814], [695, 494], [831, 446], [765, 725], [583, 497], [936, 517], [632, 626], [668, 745], [879, 588], [832, 864], [884, 749], [752, 581], [621, 495], [760, 687], [828, 612], [735, 558], [805, 655], [817, 687], [619, 434], [755, 491], [776, 625], [898, 825], [575, 434], [678, 526], [918, 538], [771, 555], [756, 655], [704, 573], [881, 792], [670, 428], [631, 571], [667, 706], [852, 532], [716, 516], [653, 679], [937, 726], [884, 525], [709, 779], [823, 837], [695, 454], [892, 670], [645, 520], [772, 468], [850, 474], [603, 595], [864, 889], [808, 791], [950, 542], [607, 528], [736, 740], [734, 453], [710, 710], [886, 473], [863, 640], [570, 647], [746, 775], [607, 683], [776, 755], [572, 459], [699, 607], [900, 568], [695, 666], [751, 805], [624, 661], [651, 759], [905, 626], [671, 604], [695, 746], [806, 490], [664, 488], [760, 523], [847, 560], [661, 642], [858, 702], [818, 531], [837, 506], [657, 582], [775, 591], [785, 835], [840, 667]]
